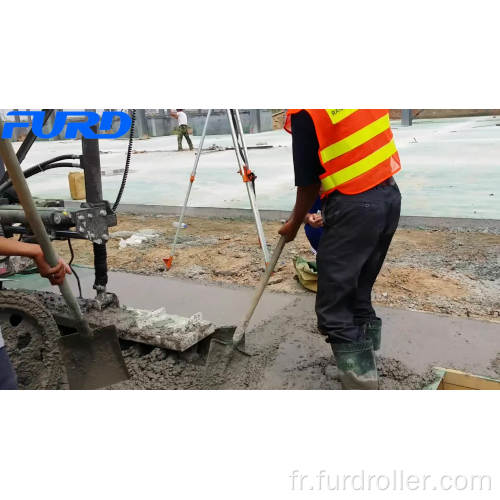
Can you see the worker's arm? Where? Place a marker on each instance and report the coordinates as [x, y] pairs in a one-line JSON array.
[[308, 171], [306, 196], [10, 247]]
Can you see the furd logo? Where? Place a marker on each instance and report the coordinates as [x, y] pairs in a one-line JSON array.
[[89, 119]]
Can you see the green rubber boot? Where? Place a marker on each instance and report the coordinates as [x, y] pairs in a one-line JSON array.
[[356, 365], [374, 332]]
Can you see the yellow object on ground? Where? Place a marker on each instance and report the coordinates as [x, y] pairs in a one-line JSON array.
[[307, 273], [77, 185], [449, 380]]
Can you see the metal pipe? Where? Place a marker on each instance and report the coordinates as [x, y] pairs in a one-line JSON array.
[[91, 164], [190, 185], [251, 194], [50, 217]]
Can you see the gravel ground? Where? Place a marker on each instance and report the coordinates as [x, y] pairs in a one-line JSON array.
[[446, 270]]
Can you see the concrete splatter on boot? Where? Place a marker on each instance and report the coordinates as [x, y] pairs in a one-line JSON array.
[[356, 365], [374, 332]]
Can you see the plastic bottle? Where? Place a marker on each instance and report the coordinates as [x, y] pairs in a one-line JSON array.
[[176, 224]]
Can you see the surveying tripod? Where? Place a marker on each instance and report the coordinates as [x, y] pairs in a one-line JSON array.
[[247, 176]]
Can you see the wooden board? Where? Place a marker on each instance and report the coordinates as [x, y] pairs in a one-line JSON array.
[[451, 380]]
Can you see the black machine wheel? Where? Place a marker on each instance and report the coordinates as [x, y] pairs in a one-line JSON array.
[[31, 334]]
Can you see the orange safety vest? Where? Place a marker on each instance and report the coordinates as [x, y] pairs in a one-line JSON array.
[[356, 148]]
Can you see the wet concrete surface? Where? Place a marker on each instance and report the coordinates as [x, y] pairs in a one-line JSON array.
[[222, 305], [290, 354], [412, 342], [418, 339]]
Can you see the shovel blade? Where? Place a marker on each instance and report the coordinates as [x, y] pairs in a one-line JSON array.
[[93, 362], [223, 351], [220, 351]]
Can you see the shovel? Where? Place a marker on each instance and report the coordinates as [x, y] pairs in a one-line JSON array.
[[92, 359], [233, 338]]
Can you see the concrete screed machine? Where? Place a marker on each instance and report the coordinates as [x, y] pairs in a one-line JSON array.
[[32, 322]]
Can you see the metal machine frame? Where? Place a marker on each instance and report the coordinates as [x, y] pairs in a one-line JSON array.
[[90, 221]]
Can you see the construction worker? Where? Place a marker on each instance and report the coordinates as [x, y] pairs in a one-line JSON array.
[[183, 128], [10, 247], [349, 157]]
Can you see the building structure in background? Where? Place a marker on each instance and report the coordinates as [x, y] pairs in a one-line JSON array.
[[158, 122]]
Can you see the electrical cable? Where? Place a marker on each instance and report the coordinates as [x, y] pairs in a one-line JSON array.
[[127, 162], [73, 270]]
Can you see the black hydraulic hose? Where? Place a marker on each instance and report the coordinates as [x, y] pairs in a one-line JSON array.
[[72, 269], [53, 160], [42, 167], [100, 266], [31, 138], [38, 169], [127, 162]]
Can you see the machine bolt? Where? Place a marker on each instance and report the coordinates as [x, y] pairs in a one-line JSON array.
[[102, 212]]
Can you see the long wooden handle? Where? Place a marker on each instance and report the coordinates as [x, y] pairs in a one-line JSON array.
[[34, 220], [240, 331]]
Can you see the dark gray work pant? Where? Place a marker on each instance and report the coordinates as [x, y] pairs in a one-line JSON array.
[[8, 379], [357, 234]]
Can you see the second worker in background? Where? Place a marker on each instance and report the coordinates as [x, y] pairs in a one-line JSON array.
[[183, 131]]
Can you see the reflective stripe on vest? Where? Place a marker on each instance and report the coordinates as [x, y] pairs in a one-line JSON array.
[[356, 148], [360, 167], [355, 140]]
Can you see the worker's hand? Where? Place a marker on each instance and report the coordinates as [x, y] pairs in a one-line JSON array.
[[314, 220], [54, 274], [289, 230]]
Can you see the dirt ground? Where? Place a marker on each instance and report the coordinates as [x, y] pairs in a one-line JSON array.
[[450, 271], [445, 271]]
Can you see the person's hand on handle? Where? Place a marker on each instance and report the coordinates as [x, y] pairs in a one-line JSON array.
[[289, 230], [306, 196], [54, 274]]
